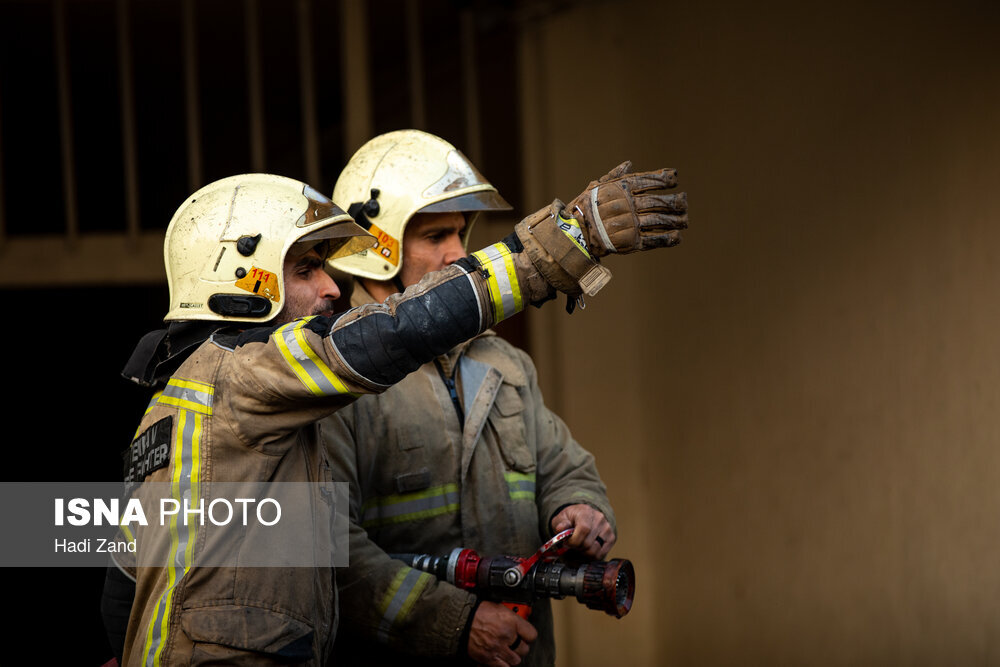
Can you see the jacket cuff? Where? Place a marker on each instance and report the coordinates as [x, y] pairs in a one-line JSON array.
[[463, 640]]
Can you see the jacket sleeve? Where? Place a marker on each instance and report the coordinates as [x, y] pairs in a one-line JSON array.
[[298, 372], [566, 473], [379, 343], [382, 600]]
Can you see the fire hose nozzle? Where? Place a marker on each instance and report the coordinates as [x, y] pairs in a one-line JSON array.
[[609, 586], [606, 586]]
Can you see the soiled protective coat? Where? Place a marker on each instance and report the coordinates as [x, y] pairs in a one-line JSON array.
[[420, 483], [243, 406]]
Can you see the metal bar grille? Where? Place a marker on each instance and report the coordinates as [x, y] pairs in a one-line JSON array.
[[192, 107], [128, 120], [65, 119], [255, 85], [310, 135]]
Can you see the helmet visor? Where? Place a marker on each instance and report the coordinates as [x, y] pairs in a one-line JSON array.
[[344, 237], [482, 200]]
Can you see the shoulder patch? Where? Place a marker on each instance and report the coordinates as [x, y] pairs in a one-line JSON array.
[[148, 452]]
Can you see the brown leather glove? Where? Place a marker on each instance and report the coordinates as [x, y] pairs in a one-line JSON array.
[[615, 214], [620, 214]]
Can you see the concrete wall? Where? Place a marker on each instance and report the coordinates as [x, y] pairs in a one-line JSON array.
[[796, 410]]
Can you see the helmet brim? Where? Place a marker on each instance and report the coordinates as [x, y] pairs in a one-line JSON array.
[[345, 237], [482, 200]]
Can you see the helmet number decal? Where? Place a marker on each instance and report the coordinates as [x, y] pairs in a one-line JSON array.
[[260, 282], [388, 246]]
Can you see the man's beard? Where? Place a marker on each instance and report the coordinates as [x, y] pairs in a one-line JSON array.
[[325, 307]]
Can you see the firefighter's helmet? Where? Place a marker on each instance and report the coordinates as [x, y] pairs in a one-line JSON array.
[[225, 246], [397, 175]]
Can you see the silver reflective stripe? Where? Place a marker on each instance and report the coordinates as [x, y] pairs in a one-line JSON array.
[[188, 395], [499, 271], [410, 507], [403, 594], [599, 223], [183, 478], [520, 486], [313, 372]]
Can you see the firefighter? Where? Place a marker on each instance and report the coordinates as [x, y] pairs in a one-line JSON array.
[[252, 357], [463, 452]]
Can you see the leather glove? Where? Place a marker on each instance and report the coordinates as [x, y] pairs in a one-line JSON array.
[[617, 213], [620, 214]]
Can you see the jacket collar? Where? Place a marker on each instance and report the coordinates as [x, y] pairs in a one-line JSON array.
[[159, 353]]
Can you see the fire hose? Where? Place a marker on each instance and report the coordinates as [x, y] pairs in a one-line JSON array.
[[518, 582]]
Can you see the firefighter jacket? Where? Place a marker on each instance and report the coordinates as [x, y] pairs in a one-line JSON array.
[[243, 406], [428, 476]]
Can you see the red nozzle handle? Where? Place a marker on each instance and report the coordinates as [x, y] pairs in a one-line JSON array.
[[522, 610]]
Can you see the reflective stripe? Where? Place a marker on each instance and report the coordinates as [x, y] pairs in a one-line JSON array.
[[184, 484], [152, 402], [598, 223], [520, 486], [399, 599], [505, 291], [188, 395], [571, 228], [308, 366], [404, 507]]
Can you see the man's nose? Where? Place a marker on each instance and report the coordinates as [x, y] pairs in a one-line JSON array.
[[454, 250], [328, 287]]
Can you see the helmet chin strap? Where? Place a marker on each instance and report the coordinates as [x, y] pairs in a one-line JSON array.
[[361, 211]]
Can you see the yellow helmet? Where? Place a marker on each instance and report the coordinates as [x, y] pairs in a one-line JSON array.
[[225, 246], [397, 175]]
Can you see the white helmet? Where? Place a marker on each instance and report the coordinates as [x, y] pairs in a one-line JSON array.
[[393, 177], [225, 246]]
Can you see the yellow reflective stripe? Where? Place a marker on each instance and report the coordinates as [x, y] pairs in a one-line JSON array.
[[390, 592], [502, 283], [194, 385], [585, 495], [399, 599], [411, 599], [321, 366], [184, 405], [193, 484], [188, 395], [152, 402], [185, 481], [308, 366], [520, 486], [495, 299], [405, 507], [571, 228]]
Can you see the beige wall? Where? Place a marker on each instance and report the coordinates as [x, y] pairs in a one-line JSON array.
[[798, 416]]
